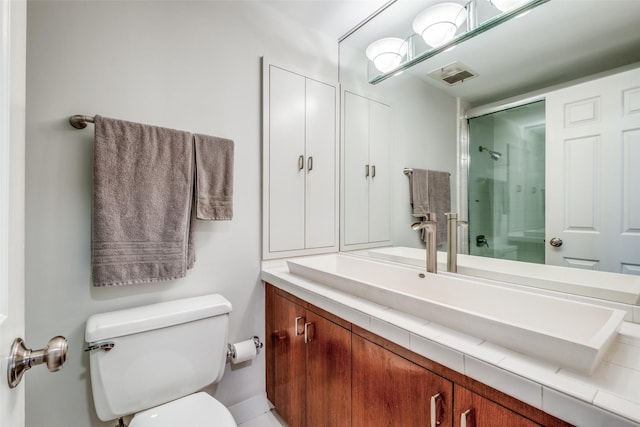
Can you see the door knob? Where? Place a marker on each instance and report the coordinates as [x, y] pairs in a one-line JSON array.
[[22, 358], [555, 242]]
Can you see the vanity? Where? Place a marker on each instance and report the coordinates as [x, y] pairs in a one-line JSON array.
[[377, 340], [336, 358]]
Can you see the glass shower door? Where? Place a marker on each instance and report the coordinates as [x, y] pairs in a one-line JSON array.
[[506, 184]]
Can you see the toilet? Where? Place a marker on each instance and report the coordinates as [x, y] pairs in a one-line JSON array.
[[152, 361]]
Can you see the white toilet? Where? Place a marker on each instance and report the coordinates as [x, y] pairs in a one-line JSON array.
[[151, 361]]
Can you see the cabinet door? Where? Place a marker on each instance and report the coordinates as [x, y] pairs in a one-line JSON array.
[[356, 161], [480, 412], [389, 390], [320, 201], [380, 177], [287, 158], [289, 361], [328, 374]]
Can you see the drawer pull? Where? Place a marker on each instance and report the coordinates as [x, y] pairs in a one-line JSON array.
[[309, 332], [299, 327], [436, 410], [466, 419]]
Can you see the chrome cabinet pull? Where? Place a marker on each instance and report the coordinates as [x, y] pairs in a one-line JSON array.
[[309, 164], [466, 419], [366, 170], [299, 328], [301, 162], [436, 410], [309, 332], [373, 171]]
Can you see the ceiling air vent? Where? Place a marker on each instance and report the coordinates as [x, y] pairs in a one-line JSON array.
[[453, 73]]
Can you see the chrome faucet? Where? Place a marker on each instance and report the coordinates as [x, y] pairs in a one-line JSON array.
[[429, 226], [452, 241]]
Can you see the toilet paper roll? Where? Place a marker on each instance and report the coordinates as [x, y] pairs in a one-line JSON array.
[[243, 351]]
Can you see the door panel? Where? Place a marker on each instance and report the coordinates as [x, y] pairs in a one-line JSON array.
[[328, 374], [356, 159], [380, 182], [13, 18], [320, 164], [593, 160], [483, 412], [287, 145], [389, 390], [288, 362]]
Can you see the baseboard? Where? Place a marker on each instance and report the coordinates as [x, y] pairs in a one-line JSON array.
[[250, 408]]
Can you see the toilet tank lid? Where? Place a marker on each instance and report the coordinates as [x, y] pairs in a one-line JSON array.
[[155, 316]]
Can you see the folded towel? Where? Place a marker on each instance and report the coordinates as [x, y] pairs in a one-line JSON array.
[[439, 201], [430, 192], [143, 182], [214, 177], [419, 193]]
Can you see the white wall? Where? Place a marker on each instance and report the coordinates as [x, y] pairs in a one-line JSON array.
[[186, 65]]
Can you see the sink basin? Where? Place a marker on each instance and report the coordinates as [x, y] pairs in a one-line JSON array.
[[570, 334]]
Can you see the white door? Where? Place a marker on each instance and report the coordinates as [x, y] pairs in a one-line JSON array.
[[380, 176], [356, 169], [320, 149], [593, 174], [287, 159], [12, 96]]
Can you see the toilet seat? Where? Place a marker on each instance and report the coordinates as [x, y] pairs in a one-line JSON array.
[[196, 410]]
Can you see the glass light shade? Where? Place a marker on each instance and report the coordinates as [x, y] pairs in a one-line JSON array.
[[387, 53], [439, 23], [504, 5]]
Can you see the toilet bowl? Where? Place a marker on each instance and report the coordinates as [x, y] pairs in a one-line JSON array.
[[153, 361]]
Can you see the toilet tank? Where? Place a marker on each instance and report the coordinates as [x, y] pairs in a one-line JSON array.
[[159, 353]]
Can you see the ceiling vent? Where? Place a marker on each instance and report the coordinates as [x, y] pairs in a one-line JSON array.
[[453, 73]]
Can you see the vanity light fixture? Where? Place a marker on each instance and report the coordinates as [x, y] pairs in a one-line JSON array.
[[439, 23], [387, 53]]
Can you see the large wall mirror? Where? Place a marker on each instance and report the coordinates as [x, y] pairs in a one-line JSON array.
[[509, 68]]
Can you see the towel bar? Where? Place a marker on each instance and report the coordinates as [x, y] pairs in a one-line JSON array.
[[80, 122]]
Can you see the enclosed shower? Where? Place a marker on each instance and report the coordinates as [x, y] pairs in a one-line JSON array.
[[506, 183]]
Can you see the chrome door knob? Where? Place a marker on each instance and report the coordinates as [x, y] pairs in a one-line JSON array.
[[21, 359], [555, 242]]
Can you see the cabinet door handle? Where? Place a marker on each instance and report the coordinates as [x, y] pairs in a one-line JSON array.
[[436, 409], [297, 327], [301, 162], [366, 170], [309, 332], [309, 164], [373, 171], [466, 419]]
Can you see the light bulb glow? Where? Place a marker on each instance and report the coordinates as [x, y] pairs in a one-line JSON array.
[[505, 5], [439, 23], [387, 53]]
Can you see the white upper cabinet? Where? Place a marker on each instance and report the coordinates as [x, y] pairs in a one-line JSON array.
[[366, 164], [299, 164]]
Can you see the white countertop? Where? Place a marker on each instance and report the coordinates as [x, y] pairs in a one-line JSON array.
[[610, 397]]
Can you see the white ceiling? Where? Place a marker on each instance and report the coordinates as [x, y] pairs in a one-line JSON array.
[[558, 41]]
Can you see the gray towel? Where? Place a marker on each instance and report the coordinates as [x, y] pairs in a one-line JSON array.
[[431, 192], [143, 182], [214, 177]]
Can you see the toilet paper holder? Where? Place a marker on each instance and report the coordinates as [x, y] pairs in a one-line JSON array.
[[231, 352]]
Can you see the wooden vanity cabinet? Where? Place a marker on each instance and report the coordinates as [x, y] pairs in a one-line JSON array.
[[473, 410], [345, 375], [310, 362], [389, 390]]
